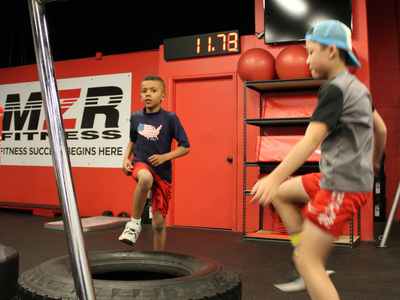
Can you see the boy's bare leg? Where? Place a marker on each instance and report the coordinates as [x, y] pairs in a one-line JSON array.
[[145, 182], [133, 227], [316, 247], [160, 232], [290, 193]]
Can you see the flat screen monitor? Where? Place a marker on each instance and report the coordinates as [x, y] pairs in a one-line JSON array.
[[289, 20]]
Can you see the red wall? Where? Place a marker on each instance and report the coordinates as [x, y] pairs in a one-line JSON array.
[[383, 33], [108, 189], [207, 66], [97, 189]]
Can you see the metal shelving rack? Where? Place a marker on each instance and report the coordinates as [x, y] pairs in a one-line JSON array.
[[279, 86]]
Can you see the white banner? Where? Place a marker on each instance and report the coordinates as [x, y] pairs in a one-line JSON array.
[[95, 111]]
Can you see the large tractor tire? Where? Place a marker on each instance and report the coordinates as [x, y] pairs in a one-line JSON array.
[[134, 275]]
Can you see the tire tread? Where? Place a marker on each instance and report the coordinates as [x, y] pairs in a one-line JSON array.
[[205, 279]]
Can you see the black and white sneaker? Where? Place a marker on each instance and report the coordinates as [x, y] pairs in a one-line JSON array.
[[293, 282]]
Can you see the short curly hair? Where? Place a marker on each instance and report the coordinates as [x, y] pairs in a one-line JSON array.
[[155, 78]]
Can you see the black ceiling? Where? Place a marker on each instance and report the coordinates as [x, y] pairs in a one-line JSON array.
[[80, 28]]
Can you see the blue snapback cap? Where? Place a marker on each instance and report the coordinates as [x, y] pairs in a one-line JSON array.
[[334, 32]]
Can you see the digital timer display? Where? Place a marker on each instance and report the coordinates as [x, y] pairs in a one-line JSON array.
[[217, 43]]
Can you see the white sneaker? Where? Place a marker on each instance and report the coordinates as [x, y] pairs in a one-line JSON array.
[[130, 234], [293, 281]]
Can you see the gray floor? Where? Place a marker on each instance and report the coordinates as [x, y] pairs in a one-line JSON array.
[[365, 272]]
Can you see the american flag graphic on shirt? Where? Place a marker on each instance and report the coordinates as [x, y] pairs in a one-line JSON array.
[[149, 131]]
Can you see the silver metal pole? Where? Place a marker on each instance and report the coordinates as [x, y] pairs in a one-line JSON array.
[[47, 1], [62, 167], [390, 219]]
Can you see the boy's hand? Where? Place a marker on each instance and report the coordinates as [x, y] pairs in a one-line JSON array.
[[157, 159], [265, 190], [127, 167]]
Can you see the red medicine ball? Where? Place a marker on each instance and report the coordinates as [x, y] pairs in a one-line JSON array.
[[291, 63], [256, 64]]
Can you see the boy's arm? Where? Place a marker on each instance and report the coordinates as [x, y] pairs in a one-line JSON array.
[[265, 189], [158, 159], [127, 165], [379, 141]]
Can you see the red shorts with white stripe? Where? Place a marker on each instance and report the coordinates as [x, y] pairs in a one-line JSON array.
[[161, 190], [330, 210]]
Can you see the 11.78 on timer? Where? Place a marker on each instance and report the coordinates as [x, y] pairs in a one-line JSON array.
[[216, 43], [220, 41]]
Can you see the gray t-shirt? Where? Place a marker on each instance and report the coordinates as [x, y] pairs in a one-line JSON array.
[[345, 106]]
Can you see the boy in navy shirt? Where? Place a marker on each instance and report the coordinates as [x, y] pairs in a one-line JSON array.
[[152, 131]]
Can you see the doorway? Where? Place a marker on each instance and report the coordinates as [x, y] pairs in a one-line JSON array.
[[205, 193]]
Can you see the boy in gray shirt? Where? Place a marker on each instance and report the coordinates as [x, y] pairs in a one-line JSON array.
[[343, 121]]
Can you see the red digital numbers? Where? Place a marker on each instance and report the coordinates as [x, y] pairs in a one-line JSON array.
[[208, 44], [223, 36], [210, 48], [230, 43], [198, 45]]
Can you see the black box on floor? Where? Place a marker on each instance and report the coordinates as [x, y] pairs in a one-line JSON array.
[[9, 271]]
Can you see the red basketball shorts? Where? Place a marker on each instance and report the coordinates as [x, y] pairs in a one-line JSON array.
[[330, 210], [161, 190]]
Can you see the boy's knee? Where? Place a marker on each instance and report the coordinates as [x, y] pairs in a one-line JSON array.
[[291, 191], [158, 223], [158, 226], [280, 199], [145, 179]]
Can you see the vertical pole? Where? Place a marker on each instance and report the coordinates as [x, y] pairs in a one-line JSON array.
[[390, 219], [244, 159], [62, 167], [1, 126]]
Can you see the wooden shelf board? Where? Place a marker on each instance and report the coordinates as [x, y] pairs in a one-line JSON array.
[[278, 122]]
